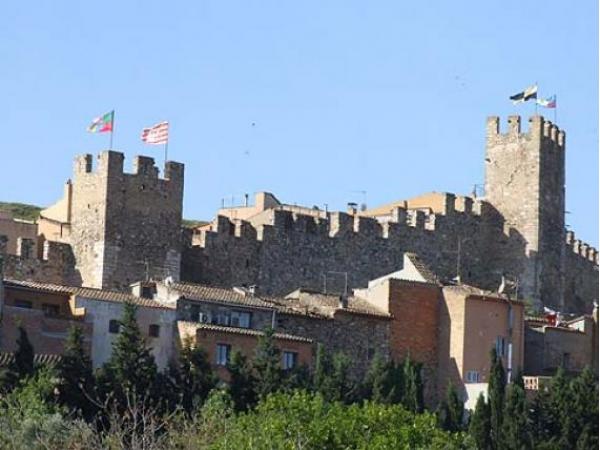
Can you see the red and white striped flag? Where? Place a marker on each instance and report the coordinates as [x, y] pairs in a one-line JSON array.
[[156, 135]]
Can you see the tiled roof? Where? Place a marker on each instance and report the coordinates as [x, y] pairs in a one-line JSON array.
[[91, 293], [220, 295], [478, 292], [324, 305], [246, 331], [41, 358]]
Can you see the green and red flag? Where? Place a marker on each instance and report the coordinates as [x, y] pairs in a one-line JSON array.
[[103, 123]]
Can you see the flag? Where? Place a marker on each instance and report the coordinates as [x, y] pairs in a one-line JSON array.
[[156, 135], [549, 102], [527, 94], [103, 123]]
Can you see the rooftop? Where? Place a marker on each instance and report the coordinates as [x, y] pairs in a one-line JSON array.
[[245, 331]]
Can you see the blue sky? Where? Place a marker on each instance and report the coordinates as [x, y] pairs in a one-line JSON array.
[[346, 96]]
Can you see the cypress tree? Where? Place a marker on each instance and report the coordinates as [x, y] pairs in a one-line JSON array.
[[413, 386], [23, 363], [496, 390], [131, 368], [343, 387], [192, 376], [241, 383], [584, 410], [21, 367], [322, 372], [267, 365], [480, 424], [75, 374], [397, 383], [453, 410], [515, 434], [376, 385]]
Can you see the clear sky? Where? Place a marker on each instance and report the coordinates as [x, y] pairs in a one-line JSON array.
[[351, 100]]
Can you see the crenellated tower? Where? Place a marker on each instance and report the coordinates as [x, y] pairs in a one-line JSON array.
[[525, 183], [125, 227]]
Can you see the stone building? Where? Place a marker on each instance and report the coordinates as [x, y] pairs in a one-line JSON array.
[[572, 344], [21, 235], [122, 227], [113, 228]]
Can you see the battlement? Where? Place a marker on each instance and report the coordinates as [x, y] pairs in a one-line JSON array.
[[581, 248], [538, 127], [111, 165], [401, 222]]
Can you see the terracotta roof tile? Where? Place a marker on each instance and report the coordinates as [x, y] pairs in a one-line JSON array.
[[7, 358], [221, 295], [91, 293], [246, 331]]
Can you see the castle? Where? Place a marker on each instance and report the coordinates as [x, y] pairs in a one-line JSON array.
[[112, 229]]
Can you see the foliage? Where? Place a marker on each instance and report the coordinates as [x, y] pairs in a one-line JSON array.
[[452, 411], [21, 367], [307, 421], [496, 389], [131, 368], [267, 365], [192, 377], [242, 382], [21, 210], [515, 434], [480, 426], [75, 375]]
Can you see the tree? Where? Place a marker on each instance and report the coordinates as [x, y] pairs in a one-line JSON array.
[[496, 390], [75, 375], [131, 369], [22, 366], [343, 386], [241, 383], [515, 434], [192, 377], [376, 386], [480, 424], [584, 410], [413, 386], [267, 365], [452, 410]]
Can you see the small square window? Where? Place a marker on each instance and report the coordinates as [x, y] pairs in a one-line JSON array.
[[114, 326], [223, 351], [290, 359], [240, 319], [154, 330]]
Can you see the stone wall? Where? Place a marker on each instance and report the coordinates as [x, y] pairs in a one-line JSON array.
[[126, 227], [358, 336]]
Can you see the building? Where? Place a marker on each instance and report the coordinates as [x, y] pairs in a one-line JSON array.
[[570, 344], [116, 228], [471, 323], [46, 313]]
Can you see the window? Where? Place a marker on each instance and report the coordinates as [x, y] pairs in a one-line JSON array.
[[240, 319], [223, 354], [289, 360], [51, 310], [500, 346], [221, 319], [114, 326], [23, 304], [472, 376], [154, 330]]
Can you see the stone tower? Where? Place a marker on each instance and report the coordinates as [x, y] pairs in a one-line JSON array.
[[525, 183], [125, 227]]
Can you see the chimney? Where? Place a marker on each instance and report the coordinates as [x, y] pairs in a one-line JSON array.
[[252, 290], [343, 301], [352, 208], [246, 200]]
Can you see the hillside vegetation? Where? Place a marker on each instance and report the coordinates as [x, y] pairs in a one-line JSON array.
[[21, 210]]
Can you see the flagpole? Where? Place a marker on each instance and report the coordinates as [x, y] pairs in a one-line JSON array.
[[166, 149], [112, 130], [555, 106]]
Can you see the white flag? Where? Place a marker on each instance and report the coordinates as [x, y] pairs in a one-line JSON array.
[[156, 135]]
